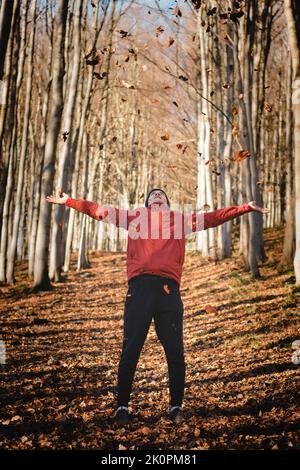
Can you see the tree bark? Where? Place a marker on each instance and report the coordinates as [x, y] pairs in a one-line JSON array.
[[24, 150], [292, 11], [6, 15], [41, 276], [56, 258]]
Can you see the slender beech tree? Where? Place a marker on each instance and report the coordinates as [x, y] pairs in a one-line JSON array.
[[41, 275], [292, 11]]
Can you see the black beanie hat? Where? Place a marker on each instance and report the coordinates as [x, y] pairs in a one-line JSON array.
[[156, 189]]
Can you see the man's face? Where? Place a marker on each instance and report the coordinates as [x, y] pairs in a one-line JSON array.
[[157, 197]]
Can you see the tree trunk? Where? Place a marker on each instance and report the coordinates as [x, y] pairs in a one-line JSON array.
[[286, 260], [56, 258], [24, 150], [11, 139], [292, 11], [41, 276], [6, 16]]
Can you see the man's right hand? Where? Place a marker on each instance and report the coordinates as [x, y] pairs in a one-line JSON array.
[[58, 200]]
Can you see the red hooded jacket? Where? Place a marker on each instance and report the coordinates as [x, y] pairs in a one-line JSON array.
[[156, 235]]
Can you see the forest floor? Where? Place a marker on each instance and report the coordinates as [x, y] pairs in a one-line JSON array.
[[63, 348]]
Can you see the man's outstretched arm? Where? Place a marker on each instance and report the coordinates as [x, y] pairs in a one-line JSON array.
[[108, 214], [205, 220]]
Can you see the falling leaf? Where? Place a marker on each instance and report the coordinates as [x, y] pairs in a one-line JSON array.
[[65, 136], [268, 107], [197, 4], [179, 146], [170, 41], [166, 288], [241, 155], [99, 75], [235, 16], [235, 111], [123, 33], [93, 61], [165, 137], [177, 11], [159, 30], [211, 11], [223, 16]]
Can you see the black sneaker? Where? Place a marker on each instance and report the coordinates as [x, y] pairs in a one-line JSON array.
[[122, 416], [176, 415]]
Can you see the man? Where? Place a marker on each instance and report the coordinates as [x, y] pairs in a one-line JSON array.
[[155, 257]]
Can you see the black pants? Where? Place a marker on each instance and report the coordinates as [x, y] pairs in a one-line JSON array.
[[148, 297]]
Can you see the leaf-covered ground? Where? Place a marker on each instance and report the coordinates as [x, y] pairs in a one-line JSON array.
[[63, 348]]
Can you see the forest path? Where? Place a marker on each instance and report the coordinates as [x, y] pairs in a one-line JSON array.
[[63, 349]]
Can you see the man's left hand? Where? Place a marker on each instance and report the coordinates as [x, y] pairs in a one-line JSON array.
[[256, 208]]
